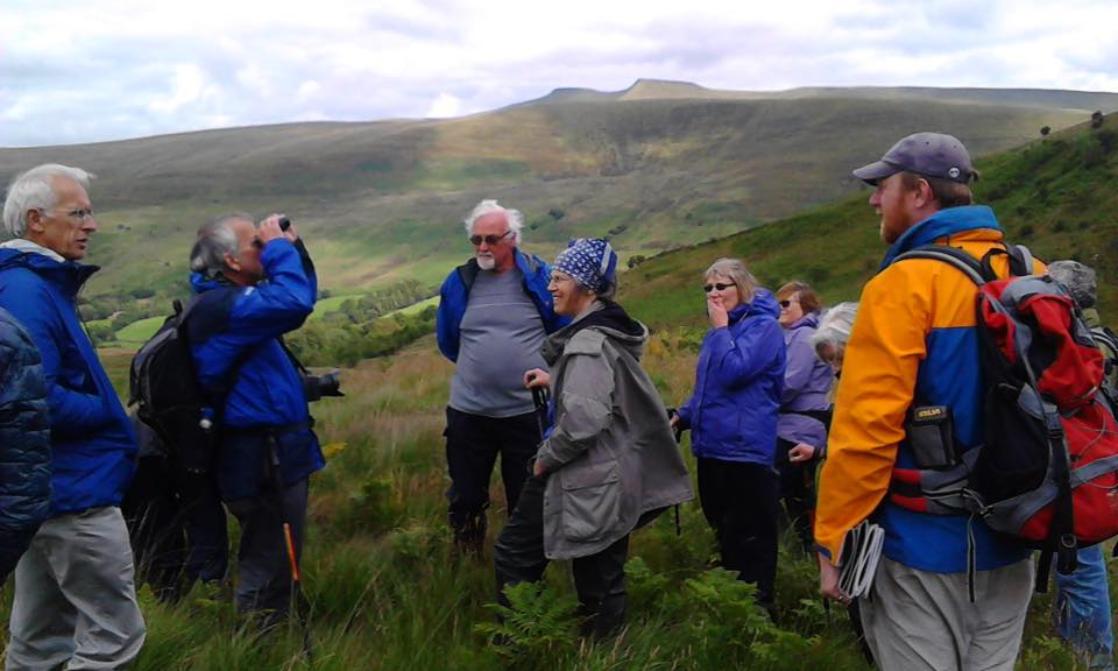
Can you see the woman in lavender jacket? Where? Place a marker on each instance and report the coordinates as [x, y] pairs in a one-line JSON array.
[[804, 407]]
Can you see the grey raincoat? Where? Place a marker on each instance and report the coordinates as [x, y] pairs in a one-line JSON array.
[[611, 457]]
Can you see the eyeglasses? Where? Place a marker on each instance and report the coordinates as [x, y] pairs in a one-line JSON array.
[[490, 240], [80, 214], [718, 285], [787, 302]]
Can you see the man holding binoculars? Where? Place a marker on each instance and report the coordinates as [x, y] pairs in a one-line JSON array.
[[256, 283]]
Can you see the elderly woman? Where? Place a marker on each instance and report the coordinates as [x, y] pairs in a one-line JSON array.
[[804, 407], [610, 463], [732, 415], [830, 337]]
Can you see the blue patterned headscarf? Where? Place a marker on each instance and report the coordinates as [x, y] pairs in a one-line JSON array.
[[589, 261]]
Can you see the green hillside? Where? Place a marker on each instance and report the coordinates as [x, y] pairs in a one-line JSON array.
[[386, 588], [1055, 196], [659, 165]]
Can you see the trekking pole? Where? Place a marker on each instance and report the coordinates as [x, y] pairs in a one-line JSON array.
[[297, 598], [540, 398]]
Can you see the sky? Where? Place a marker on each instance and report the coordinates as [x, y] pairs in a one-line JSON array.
[[95, 70]]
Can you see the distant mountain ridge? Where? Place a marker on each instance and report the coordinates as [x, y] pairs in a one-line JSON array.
[[655, 166]]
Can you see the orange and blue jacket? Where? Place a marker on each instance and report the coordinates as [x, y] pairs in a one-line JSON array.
[[914, 342]]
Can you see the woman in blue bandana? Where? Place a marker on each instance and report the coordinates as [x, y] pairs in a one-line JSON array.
[[609, 463]]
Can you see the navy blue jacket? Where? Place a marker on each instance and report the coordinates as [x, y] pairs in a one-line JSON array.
[[24, 442], [232, 325], [733, 410], [455, 295], [92, 441]]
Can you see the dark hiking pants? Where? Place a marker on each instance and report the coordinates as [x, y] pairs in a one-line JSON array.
[[263, 567], [518, 556], [740, 502], [472, 445], [797, 489]]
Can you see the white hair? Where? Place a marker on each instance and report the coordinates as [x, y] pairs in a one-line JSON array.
[[216, 239], [835, 326], [514, 217], [34, 190]]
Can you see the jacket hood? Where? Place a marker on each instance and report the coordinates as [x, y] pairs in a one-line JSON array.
[[68, 275], [200, 282], [762, 303], [606, 317], [944, 223], [810, 320]]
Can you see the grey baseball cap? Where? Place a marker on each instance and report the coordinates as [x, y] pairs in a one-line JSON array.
[[928, 154]]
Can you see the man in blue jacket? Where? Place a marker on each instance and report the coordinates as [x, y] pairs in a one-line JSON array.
[[75, 599], [24, 443], [494, 312], [256, 284]]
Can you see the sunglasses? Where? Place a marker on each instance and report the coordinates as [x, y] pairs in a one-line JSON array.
[[787, 302], [721, 287], [490, 240]]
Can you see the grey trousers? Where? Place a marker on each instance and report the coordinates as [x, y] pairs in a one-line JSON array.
[[75, 597], [263, 567], [917, 620]]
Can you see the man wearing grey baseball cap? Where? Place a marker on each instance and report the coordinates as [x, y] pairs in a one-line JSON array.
[[914, 343]]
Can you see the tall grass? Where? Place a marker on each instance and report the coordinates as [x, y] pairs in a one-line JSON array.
[[387, 590]]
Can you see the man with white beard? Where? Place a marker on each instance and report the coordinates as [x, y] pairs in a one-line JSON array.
[[494, 312]]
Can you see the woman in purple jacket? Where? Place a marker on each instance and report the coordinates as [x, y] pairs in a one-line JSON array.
[[804, 408], [732, 415]]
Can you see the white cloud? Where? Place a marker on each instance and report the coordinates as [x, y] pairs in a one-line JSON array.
[[163, 67], [445, 105]]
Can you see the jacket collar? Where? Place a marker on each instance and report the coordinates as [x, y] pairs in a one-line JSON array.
[[762, 303], [69, 276], [942, 224], [32, 247]]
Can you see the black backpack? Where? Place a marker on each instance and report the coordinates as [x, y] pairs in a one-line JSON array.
[[164, 387]]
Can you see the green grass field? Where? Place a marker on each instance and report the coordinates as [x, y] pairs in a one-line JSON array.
[[138, 332], [386, 589]]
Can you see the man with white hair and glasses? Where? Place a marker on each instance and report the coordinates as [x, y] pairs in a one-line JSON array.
[[75, 598], [494, 312]]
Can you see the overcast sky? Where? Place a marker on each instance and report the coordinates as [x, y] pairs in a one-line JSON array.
[[111, 69]]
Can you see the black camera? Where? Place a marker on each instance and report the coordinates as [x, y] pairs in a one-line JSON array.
[[284, 223], [319, 386]]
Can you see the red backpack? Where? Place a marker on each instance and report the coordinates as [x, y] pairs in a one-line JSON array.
[[1047, 471]]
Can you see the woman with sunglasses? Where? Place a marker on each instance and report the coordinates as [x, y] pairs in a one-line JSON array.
[[732, 414], [804, 409], [609, 463]]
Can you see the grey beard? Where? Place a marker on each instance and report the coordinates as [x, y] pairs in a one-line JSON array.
[[485, 262]]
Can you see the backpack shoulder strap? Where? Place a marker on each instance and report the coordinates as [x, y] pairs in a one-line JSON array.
[[1028, 262], [964, 262]]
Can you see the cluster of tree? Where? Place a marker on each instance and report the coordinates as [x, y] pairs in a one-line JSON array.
[[361, 309], [324, 343]]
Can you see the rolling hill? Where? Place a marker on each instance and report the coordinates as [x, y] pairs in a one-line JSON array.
[[656, 166], [1055, 196]]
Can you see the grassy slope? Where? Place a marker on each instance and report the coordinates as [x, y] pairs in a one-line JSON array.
[[1055, 196], [387, 591], [379, 202]]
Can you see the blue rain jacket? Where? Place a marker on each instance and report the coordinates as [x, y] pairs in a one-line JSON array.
[[739, 379], [92, 443], [232, 325]]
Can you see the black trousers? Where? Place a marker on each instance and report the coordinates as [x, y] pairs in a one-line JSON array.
[[797, 489], [472, 445], [177, 527], [263, 565], [518, 556], [740, 502]]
